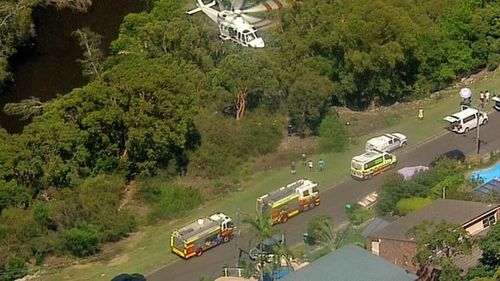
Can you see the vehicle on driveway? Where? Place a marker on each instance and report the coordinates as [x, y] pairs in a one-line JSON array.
[[267, 248], [201, 235], [371, 163], [386, 142], [466, 120], [452, 154], [289, 200]]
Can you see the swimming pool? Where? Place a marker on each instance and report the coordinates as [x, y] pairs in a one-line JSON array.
[[486, 175]]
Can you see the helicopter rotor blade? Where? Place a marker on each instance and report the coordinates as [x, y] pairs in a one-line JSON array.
[[267, 6], [255, 21], [237, 4], [221, 5]]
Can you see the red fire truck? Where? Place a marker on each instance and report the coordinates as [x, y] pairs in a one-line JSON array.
[[201, 235], [289, 200]]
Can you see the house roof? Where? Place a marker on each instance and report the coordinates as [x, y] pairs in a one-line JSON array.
[[451, 211], [377, 224], [487, 188], [350, 263]]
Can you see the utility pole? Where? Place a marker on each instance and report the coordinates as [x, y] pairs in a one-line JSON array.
[[477, 133], [237, 240]]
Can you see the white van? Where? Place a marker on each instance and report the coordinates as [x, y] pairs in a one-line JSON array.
[[465, 120]]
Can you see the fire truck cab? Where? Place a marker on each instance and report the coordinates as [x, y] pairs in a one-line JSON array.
[[201, 235], [289, 200]]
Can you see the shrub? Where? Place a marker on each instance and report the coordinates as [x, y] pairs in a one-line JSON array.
[[450, 184], [12, 195], [174, 199], [42, 214], [408, 205], [18, 231], [227, 143], [358, 214], [100, 203], [317, 226], [389, 193], [332, 135], [424, 184], [15, 268], [82, 240]]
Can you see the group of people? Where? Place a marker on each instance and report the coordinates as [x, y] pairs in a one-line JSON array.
[[484, 97], [310, 165]]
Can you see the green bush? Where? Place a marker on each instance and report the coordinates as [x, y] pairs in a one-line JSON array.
[[15, 268], [317, 226], [173, 200], [424, 184], [12, 195], [408, 205], [332, 135], [100, 203], [18, 230], [41, 213], [450, 184], [227, 143], [358, 214], [82, 240]]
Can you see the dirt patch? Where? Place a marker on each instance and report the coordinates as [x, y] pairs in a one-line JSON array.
[[290, 149], [120, 259], [130, 201]]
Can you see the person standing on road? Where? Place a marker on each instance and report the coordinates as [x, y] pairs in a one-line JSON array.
[[293, 168], [321, 164], [310, 165]]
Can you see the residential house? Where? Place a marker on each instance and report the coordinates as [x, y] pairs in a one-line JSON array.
[[350, 263], [392, 243]]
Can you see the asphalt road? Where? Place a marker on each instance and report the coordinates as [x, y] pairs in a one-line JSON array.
[[332, 202]]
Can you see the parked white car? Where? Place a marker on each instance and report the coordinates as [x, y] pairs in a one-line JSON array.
[[386, 142]]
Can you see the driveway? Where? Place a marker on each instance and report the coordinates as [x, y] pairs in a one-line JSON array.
[[332, 202]]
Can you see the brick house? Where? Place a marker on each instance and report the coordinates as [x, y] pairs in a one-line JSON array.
[[392, 244]]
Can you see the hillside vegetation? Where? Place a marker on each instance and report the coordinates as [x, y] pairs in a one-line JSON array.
[[175, 101]]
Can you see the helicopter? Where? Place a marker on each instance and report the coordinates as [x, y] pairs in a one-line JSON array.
[[234, 23]]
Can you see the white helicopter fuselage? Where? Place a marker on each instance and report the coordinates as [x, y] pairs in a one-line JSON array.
[[231, 25], [235, 28]]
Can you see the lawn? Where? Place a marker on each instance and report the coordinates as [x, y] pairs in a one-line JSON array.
[[148, 250]]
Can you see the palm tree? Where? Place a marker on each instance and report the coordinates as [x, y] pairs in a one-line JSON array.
[[281, 252], [262, 228], [321, 229]]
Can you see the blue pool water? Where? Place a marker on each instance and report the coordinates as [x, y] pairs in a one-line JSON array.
[[486, 175], [278, 274]]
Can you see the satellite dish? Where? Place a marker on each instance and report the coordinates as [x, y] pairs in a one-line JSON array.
[[465, 93]]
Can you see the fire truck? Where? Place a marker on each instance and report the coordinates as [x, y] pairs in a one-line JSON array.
[[201, 235], [289, 200]]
